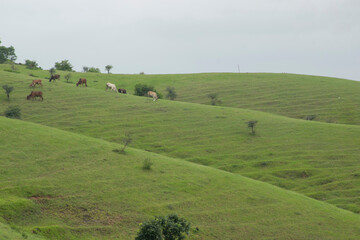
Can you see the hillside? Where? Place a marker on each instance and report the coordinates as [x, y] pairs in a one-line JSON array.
[[331, 100], [319, 160], [67, 186]]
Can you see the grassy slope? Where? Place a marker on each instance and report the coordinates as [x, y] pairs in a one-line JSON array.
[[286, 94], [6, 233], [316, 159], [63, 186]]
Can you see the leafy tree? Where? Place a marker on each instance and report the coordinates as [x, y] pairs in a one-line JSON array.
[[171, 93], [252, 124], [52, 71], [85, 69], [94, 70], [64, 65], [171, 228], [150, 230], [31, 64], [7, 53], [13, 112], [214, 98], [108, 68], [67, 77], [8, 90]]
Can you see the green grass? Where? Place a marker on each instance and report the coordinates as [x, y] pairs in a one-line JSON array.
[[62, 185], [316, 159], [332, 100]]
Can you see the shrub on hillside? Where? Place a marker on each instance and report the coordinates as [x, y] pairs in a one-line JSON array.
[[31, 64], [13, 112], [94, 70], [147, 164], [171, 93], [170, 227], [142, 89], [214, 99]]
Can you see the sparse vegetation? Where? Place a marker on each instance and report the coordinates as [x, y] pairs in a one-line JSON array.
[[68, 77], [147, 164], [310, 117], [8, 90], [214, 99], [171, 93], [13, 112]]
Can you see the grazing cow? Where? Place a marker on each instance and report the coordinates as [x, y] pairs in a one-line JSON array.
[[35, 94], [81, 82], [36, 82], [111, 86], [153, 95], [121, 90], [54, 77]]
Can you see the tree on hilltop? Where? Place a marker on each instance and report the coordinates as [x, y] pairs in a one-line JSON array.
[[7, 54], [64, 65], [108, 68]]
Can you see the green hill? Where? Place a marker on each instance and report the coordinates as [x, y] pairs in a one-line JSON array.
[[331, 100], [319, 160], [67, 186]]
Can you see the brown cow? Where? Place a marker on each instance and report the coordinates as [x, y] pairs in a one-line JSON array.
[[35, 94], [54, 77], [81, 82], [153, 95], [36, 82], [121, 90]]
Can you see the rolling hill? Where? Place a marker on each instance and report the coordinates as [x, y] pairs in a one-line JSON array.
[[75, 184], [62, 185], [304, 156], [331, 100]]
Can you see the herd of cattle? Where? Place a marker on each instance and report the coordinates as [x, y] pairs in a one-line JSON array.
[[82, 82]]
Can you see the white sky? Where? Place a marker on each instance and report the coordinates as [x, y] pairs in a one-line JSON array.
[[319, 37]]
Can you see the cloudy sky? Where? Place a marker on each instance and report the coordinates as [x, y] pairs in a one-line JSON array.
[[318, 37]]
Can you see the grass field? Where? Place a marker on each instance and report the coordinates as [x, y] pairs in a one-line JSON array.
[[316, 159], [332, 100], [67, 186]]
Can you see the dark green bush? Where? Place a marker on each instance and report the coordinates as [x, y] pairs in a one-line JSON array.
[[170, 227], [171, 93], [13, 112], [142, 89], [31, 64]]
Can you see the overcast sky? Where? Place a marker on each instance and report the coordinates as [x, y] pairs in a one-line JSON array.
[[319, 37]]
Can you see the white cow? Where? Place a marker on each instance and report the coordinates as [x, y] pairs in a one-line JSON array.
[[111, 86]]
